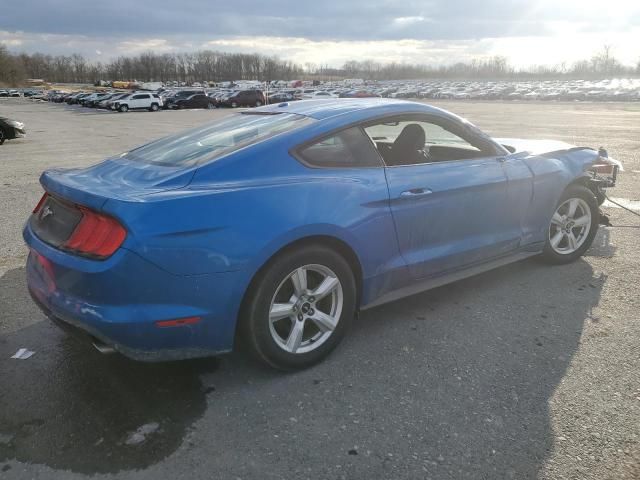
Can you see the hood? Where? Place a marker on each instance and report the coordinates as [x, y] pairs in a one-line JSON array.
[[544, 147], [534, 147]]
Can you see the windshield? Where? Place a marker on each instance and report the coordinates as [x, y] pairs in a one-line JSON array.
[[216, 139]]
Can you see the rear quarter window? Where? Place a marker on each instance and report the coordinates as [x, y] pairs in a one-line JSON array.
[[349, 148]]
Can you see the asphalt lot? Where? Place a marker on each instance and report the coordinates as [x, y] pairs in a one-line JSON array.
[[528, 371]]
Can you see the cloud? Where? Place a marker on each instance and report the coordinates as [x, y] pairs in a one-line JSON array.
[[326, 20], [133, 47], [415, 31]]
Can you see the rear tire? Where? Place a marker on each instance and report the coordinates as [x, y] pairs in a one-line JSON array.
[[258, 103], [3, 136], [287, 320], [573, 226]]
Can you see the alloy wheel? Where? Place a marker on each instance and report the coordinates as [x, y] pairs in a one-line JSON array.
[[306, 308], [570, 226]]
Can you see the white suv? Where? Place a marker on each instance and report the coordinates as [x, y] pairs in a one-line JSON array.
[[138, 101]]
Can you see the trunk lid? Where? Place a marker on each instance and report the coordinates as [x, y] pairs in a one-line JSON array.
[[117, 179]]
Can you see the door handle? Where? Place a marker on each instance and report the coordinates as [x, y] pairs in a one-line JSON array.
[[416, 192], [501, 159]]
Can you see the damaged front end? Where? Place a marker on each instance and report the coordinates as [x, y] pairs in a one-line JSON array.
[[604, 171], [594, 168]]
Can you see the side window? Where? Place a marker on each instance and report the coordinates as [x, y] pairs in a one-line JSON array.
[[349, 148], [140, 97], [411, 142]]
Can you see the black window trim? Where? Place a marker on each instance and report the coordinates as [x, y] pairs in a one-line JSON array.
[[493, 149]]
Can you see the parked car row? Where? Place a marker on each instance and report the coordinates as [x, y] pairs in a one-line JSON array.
[[255, 94], [561, 90], [9, 93], [110, 100], [168, 99]]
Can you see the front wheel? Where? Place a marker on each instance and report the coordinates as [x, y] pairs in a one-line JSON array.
[[300, 308], [124, 108], [154, 107], [573, 226], [234, 104], [3, 137]]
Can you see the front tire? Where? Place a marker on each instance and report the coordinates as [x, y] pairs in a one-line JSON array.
[[124, 108], [3, 136], [300, 307], [573, 226], [154, 107]]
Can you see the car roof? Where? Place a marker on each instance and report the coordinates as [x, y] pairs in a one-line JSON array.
[[326, 108]]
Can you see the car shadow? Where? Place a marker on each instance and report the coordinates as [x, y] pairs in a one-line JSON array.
[[80, 110], [71, 409], [451, 383]]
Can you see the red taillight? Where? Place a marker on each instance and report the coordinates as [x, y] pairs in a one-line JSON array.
[[96, 235], [40, 202]]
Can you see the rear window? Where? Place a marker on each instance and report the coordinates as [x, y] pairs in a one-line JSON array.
[[214, 140]]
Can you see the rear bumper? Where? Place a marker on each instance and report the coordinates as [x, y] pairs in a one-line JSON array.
[[119, 300]]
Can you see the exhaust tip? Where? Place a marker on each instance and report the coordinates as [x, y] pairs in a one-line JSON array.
[[103, 347]]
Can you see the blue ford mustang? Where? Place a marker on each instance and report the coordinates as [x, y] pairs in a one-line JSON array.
[[275, 226]]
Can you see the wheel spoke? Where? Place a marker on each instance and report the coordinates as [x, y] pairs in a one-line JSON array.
[[299, 280], [556, 219], [582, 221], [555, 240], [573, 204], [295, 336], [324, 322], [573, 243], [327, 286], [280, 311]]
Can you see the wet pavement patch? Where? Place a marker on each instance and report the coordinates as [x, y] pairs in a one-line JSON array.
[[70, 407]]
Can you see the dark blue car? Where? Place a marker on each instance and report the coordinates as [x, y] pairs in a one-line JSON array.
[[275, 226]]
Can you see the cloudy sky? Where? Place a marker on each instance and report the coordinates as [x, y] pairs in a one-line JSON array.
[[331, 31]]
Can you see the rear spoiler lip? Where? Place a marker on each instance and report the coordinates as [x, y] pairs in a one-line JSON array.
[[53, 185]]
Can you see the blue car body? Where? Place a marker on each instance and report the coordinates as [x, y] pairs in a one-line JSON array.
[[197, 235]]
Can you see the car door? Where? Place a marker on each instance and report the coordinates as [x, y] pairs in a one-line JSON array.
[[449, 202], [142, 100], [200, 100], [135, 101]]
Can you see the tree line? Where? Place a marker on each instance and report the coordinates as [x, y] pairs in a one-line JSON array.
[[207, 65]]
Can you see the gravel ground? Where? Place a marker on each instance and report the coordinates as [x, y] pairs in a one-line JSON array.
[[528, 371]]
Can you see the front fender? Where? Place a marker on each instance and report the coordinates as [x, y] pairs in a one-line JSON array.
[[552, 173]]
